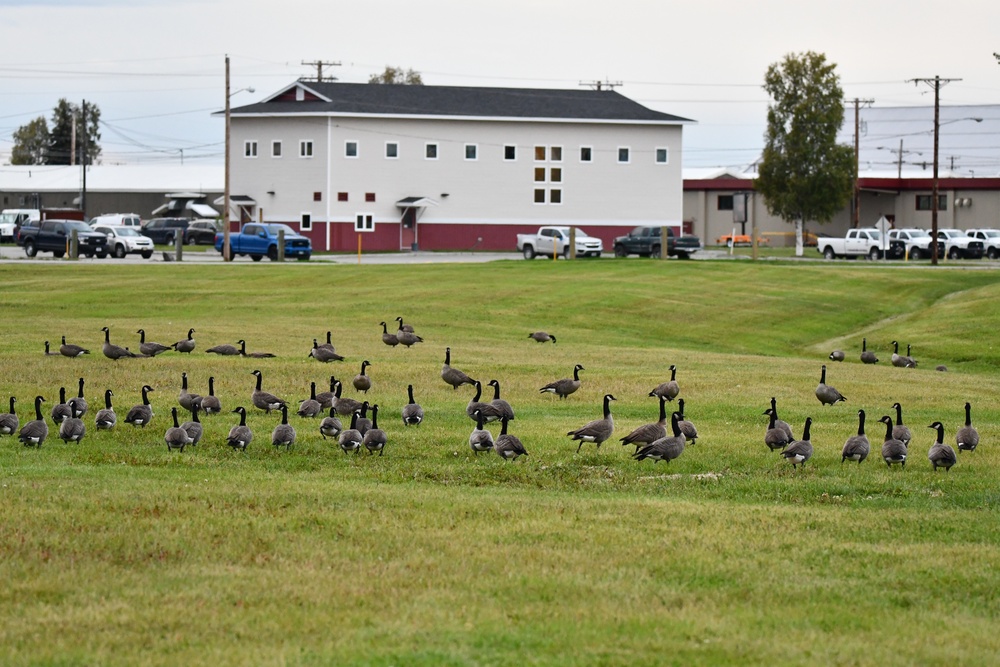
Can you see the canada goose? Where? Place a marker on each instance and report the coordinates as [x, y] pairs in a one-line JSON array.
[[363, 423], [508, 446], [480, 440], [361, 381], [211, 403], [776, 438], [186, 345], [566, 386], [240, 435], [34, 432], [899, 431], [857, 447], [898, 359], [283, 433], [408, 338], [150, 349], [910, 361], [112, 351], [940, 454], [648, 433], [375, 438], [867, 357], [453, 376], [894, 450], [310, 407], [225, 350], [350, 439], [9, 421], [501, 405], [61, 410], [187, 401], [800, 451], [413, 414], [176, 437], [783, 425], [942, 368], [670, 389], [80, 406], [193, 427], [325, 398], [324, 354], [105, 419], [388, 338], [70, 350], [261, 399], [254, 355], [72, 429], [404, 327], [542, 337], [598, 430], [49, 353], [141, 414], [967, 437], [490, 412], [666, 448], [330, 427], [687, 428], [344, 406], [826, 394], [837, 355]]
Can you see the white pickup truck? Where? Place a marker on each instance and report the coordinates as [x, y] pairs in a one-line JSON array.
[[555, 240], [862, 242]]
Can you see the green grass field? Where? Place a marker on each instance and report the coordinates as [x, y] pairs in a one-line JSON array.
[[118, 552]]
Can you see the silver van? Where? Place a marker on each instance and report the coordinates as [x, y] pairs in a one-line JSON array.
[[117, 220]]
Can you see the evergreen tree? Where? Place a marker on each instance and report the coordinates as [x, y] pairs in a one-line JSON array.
[[64, 116]]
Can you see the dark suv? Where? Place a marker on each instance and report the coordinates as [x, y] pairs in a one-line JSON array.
[[54, 235], [165, 230], [202, 232]]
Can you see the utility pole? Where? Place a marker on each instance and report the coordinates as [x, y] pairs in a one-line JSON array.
[[601, 85], [83, 158], [319, 65], [226, 254], [857, 132], [936, 82]]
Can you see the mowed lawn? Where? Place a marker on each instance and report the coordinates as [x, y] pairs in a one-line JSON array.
[[118, 552]]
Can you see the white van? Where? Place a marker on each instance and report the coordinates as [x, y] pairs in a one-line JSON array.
[[12, 218], [117, 220]]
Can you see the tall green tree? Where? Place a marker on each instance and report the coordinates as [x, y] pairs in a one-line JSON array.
[[64, 116], [397, 75], [31, 143], [804, 173]]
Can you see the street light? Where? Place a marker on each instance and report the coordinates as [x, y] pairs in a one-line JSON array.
[[226, 254]]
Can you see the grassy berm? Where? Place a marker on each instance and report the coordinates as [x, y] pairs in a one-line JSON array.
[[115, 551]]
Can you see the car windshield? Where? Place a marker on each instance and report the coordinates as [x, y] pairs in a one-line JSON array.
[[951, 233], [78, 226], [991, 234], [126, 231], [917, 233], [874, 234], [273, 229], [7, 219]]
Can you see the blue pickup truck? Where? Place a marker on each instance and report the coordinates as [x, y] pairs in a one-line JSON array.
[[261, 239]]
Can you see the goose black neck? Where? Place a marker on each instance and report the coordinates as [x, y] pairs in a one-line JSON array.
[[184, 381], [663, 408], [194, 413], [243, 417], [38, 407], [673, 373], [12, 401], [503, 426], [312, 390], [576, 372], [888, 428], [142, 335], [861, 422], [80, 394], [808, 426], [329, 340], [284, 414], [375, 416], [173, 411], [354, 420], [479, 419], [145, 395], [674, 425], [260, 380], [211, 386], [774, 420], [864, 344], [940, 433], [899, 414], [680, 408], [607, 406], [496, 390], [62, 394], [822, 376], [968, 414], [409, 393], [479, 391], [447, 356], [107, 335], [107, 399]]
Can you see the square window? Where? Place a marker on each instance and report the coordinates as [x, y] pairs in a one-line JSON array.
[[306, 223], [539, 174], [305, 149], [369, 196], [662, 155], [555, 175], [925, 202], [341, 196], [471, 151], [275, 149], [364, 223], [539, 196], [510, 152], [249, 149], [724, 203], [351, 149], [317, 196], [623, 155], [586, 154], [555, 196], [431, 151], [540, 153], [391, 150], [555, 154]]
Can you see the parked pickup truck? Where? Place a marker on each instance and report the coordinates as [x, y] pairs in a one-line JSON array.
[[647, 242], [990, 239], [862, 242], [955, 244], [260, 239], [556, 239], [916, 242], [54, 235]]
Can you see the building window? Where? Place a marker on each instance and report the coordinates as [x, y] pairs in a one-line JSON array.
[[540, 153], [350, 149], [924, 202], [341, 196], [724, 203], [539, 174], [623, 155], [510, 153], [431, 151], [275, 149], [555, 196], [586, 154], [369, 196], [306, 224], [471, 151], [555, 175], [249, 149], [555, 154], [391, 150], [305, 149], [662, 155], [317, 196], [364, 223], [539, 196]]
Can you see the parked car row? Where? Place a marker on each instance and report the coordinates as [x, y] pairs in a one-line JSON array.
[[645, 241], [912, 243]]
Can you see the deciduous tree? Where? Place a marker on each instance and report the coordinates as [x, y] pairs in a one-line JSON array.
[[64, 116], [31, 143]]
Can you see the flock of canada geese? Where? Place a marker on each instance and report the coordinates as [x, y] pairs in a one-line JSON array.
[[662, 440]]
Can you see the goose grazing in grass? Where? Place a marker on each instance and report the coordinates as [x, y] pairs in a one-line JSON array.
[[33, 433], [361, 381], [413, 414], [826, 394], [254, 355], [141, 414], [566, 386], [867, 356], [193, 427], [894, 450], [176, 437], [480, 440], [508, 446], [187, 401], [669, 389], [666, 448], [598, 430], [185, 345], [284, 433], [330, 426], [783, 425], [489, 412], [857, 447], [542, 337], [800, 451], [240, 435], [150, 349], [324, 354], [61, 410], [225, 350], [687, 427], [649, 433], [112, 351], [375, 438], [344, 406], [72, 429], [453, 376], [49, 353], [388, 338], [71, 350], [900, 431], [105, 419], [325, 398], [211, 404], [350, 439], [940, 454], [261, 399], [502, 406], [9, 421], [967, 437], [776, 438], [837, 355], [80, 406], [310, 407]]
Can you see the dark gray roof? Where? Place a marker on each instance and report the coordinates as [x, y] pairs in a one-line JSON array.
[[455, 101]]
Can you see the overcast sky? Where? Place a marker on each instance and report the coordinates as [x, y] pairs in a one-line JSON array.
[[156, 68]]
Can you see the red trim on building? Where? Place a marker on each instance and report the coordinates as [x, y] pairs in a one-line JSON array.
[[710, 184]]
